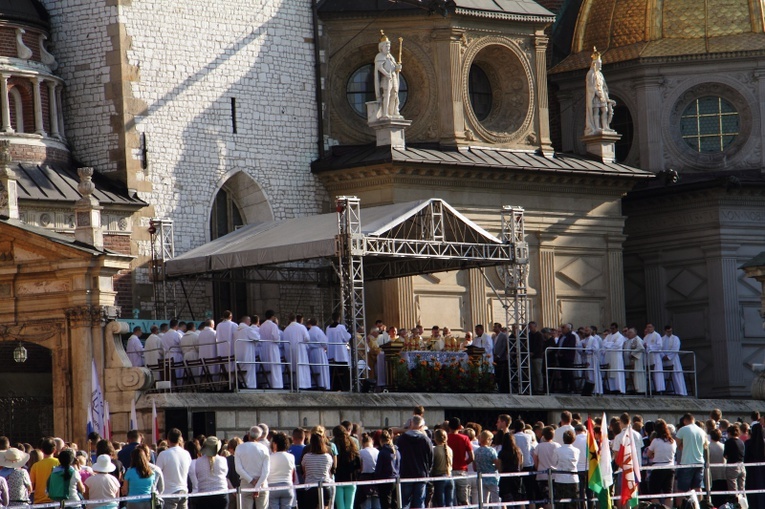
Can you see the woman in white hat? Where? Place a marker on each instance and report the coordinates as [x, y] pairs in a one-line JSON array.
[[101, 485], [208, 473], [19, 483]]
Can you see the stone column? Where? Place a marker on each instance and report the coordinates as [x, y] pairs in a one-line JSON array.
[[650, 109], [39, 129], [616, 279], [449, 59], [398, 302], [725, 325], [548, 299], [655, 295], [60, 113], [9, 193], [479, 308], [53, 108], [542, 106], [5, 105]]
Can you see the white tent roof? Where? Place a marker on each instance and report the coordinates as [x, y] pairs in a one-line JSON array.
[[312, 237]]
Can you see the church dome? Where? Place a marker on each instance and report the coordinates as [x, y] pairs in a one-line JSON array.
[[25, 12], [629, 29]]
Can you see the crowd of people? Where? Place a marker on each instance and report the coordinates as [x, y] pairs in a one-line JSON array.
[[304, 356], [272, 468]]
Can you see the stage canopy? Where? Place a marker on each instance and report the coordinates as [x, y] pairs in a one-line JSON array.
[[395, 240]]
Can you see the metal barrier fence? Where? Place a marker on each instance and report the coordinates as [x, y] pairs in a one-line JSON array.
[[481, 498], [645, 369]]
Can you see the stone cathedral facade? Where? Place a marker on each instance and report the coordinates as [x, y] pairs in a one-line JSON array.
[[219, 115]]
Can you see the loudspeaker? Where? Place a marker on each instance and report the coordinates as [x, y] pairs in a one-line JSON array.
[[203, 423], [176, 418]]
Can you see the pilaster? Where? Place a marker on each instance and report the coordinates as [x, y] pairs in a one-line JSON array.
[[650, 110], [547, 296], [725, 329], [9, 193], [479, 307], [5, 114], [448, 43], [616, 279], [398, 302], [542, 106]]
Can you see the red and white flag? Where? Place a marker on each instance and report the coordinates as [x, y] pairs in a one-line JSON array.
[[630, 470]]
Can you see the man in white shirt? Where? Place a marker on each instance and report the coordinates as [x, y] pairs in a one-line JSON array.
[[317, 354], [626, 427], [483, 340], [653, 346], [566, 459], [253, 463], [565, 425], [582, 467], [613, 345], [296, 351], [135, 348], [672, 359], [269, 351], [174, 463], [337, 353]]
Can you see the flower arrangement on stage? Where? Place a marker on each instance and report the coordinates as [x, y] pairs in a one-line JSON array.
[[452, 376]]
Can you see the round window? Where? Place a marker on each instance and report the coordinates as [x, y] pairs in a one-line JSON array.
[[361, 89], [479, 88], [709, 124]]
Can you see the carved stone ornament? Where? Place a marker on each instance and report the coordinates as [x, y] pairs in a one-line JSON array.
[[85, 186], [31, 333], [46, 57], [22, 51], [87, 316]]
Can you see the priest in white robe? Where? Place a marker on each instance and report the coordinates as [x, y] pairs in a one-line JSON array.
[[225, 337], [246, 338], [590, 353], [636, 351], [613, 345], [190, 347], [134, 348], [317, 354], [208, 350], [672, 361], [653, 347], [296, 340], [337, 353], [270, 358], [154, 352], [172, 343]]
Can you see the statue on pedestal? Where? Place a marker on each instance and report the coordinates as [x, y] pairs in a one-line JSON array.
[[386, 79], [600, 108]]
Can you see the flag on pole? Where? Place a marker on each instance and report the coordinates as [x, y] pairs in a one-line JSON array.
[[96, 407], [596, 481], [630, 470], [133, 417], [107, 422], [154, 423], [606, 472]]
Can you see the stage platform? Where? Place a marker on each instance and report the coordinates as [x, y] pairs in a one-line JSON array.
[[230, 414]]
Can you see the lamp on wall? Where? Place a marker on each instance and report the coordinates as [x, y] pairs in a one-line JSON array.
[[20, 354]]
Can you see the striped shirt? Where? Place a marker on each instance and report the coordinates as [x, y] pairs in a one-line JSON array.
[[316, 467]]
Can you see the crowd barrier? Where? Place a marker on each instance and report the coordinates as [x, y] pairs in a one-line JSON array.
[[238, 494], [645, 369]]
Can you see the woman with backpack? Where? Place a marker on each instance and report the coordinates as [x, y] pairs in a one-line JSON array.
[[65, 482], [139, 480]]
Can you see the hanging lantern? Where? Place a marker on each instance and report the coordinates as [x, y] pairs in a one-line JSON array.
[[20, 354]]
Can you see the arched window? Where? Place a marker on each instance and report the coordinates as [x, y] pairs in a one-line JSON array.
[[225, 216], [361, 89], [709, 124], [479, 89], [17, 110], [229, 291]]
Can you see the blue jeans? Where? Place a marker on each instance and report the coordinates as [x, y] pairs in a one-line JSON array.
[[690, 478], [281, 499], [412, 495], [443, 493]]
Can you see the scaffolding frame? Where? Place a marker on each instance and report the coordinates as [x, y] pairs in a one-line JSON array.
[[424, 237], [162, 249]]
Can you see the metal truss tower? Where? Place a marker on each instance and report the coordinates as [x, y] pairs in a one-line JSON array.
[[516, 275], [162, 249]]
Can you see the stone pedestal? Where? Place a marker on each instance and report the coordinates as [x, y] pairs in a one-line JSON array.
[[389, 131], [392, 357], [602, 145]]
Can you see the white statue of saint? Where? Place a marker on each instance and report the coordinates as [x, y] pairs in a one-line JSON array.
[[386, 80], [600, 108]]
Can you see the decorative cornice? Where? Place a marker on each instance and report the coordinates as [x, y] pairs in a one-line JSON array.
[[505, 16], [91, 315], [436, 176]]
